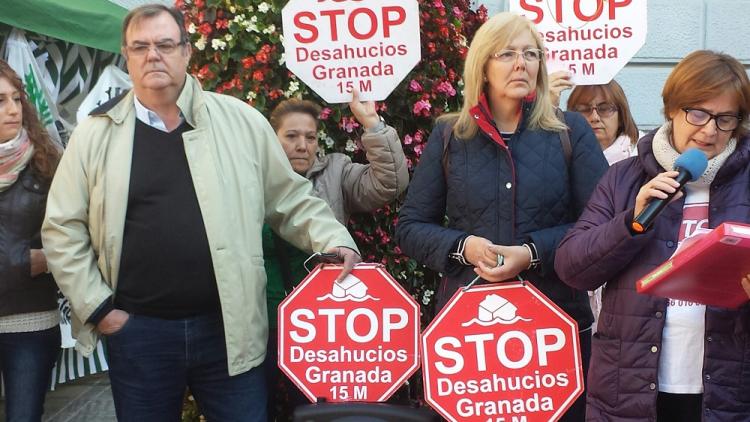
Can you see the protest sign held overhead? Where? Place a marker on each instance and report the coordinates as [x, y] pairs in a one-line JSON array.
[[349, 340], [501, 353], [592, 39], [335, 46]]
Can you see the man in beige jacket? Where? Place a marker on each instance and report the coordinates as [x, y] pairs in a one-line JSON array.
[[153, 231]]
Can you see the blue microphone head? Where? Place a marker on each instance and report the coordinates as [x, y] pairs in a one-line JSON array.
[[694, 161]]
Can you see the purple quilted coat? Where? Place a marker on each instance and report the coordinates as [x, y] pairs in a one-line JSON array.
[[622, 380]]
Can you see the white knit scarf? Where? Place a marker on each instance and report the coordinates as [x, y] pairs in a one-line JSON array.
[[14, 156], [666, 155]]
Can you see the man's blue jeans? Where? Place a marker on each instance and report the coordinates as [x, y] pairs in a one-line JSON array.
[[26, 362], [152, 360]]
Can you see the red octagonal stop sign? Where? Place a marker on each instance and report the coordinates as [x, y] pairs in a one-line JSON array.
[[501, 353], [353, 340]]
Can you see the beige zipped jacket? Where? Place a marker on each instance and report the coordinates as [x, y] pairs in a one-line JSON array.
[[241, 178]]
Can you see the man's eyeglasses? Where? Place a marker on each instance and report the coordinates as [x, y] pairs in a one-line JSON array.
[[602, 109], [530, 55], [699, 117], [164, 48]]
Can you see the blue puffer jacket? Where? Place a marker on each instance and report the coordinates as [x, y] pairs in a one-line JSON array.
[[622, 381], [511, 195]]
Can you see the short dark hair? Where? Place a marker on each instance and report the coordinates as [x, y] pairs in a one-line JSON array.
[[293, 105], [151, 10]]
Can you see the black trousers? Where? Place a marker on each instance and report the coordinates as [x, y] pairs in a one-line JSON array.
[[678, 407]]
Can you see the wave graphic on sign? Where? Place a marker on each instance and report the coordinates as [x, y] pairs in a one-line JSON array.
[[495, 309], [349, 289]]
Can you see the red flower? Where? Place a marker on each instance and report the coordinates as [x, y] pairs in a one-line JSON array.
[[222, 24], [276, 93], [248, 62], [205, 29], [258, 75], [263, 54], [205, 73]]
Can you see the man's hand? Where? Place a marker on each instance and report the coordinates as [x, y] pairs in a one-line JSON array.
[[112, 322], [38, 262], [515, 260], [348, 256], [746, 284], [364, 112]]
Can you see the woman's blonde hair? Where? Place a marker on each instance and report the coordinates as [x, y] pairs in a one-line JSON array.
[[494, 35]]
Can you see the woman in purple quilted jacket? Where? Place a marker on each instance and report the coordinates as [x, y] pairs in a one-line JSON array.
[[655, 358]]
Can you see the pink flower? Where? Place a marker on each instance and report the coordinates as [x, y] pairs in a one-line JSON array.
[[407, 140], [418, 150], [422, 108], [414, 86], [419, 136], [325, 113], [348, 124], [445, 87], [459, 14]]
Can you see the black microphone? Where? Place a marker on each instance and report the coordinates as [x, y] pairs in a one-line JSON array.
[[691, 165]]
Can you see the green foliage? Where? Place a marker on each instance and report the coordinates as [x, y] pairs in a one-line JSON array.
[[237, 51]]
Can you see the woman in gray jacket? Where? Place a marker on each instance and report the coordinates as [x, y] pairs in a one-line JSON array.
[[346, 186]]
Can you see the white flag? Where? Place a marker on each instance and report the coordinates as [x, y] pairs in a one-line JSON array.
[[19, 55], [112, 82]]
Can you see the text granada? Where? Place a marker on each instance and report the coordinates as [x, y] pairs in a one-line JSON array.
[[322, 72]]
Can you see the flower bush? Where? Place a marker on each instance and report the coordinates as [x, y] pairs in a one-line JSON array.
[[237, 51]]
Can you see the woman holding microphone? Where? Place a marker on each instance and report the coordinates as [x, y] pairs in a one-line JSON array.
[[655, 358]]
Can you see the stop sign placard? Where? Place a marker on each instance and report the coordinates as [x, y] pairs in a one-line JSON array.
[[353, 340], [501, 352], [593, 39], [337, 45]]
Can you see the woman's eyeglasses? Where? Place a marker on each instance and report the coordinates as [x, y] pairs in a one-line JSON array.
[[699, 117], [602, 109], [529, 55]]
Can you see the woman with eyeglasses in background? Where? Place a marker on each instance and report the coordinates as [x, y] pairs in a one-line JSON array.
[[606, 109], [655, 358], [29, 318], [506, 185]]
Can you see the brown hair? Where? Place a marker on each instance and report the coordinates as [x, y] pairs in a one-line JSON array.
[[493, 35], [149, 11], [293, 105], [46, 153], [702, 76], [613, 93]]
